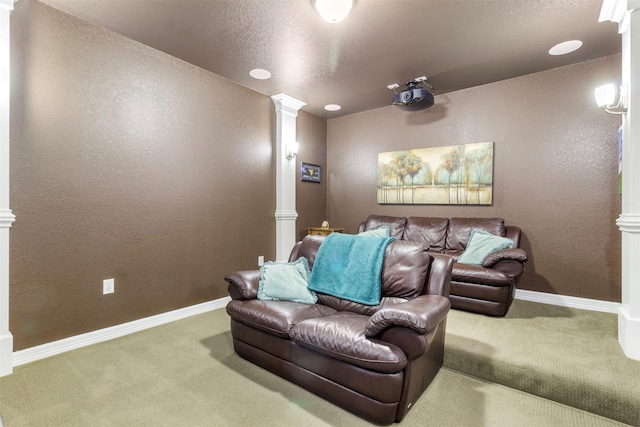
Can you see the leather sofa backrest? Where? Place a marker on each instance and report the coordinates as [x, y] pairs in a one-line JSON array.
[[396, 224], [405, 269], [432, 231], [441, 235], [307, 248], [404, 273], [513, 233], [460, 228]]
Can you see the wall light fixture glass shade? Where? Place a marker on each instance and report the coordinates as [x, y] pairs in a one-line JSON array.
[[333, 10], [606, 96]]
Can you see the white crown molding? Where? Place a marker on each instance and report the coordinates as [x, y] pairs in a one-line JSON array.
[[287, 104], [618, 11], [6, 218], [7, 4], [613, 10], [567, 301], [32, 354]]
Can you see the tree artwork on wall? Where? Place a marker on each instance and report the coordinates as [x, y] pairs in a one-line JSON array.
[[450, 175]]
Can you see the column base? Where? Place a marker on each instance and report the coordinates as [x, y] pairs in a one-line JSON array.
[[629, 334], [6, 354]]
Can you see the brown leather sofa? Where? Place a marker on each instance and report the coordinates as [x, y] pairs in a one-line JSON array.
[[488, 288], [372, 360]]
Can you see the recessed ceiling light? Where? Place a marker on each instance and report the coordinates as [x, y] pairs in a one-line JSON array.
[[332, 107], [260, 74], [565, 47]]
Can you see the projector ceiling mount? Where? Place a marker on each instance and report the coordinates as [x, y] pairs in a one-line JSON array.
[[414, 97]]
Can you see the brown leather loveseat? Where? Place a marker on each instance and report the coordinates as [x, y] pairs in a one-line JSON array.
[[487, 288], [372, 360]]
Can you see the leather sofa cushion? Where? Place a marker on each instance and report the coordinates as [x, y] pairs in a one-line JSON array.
[[341, 336], [432, 231], [460, 229], [276, 317], [396, 224]]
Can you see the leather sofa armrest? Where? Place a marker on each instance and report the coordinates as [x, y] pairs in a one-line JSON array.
[[514, 254], [509, 267], [420, 314], [439, 281], [243, 285]]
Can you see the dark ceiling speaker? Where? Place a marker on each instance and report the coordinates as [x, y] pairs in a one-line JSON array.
[[414, 97]]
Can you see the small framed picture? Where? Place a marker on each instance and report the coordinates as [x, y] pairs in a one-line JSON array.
[[309, 172]]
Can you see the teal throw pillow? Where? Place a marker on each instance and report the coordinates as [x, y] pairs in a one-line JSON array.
[[481, 245], [376, 232], [286, 282]]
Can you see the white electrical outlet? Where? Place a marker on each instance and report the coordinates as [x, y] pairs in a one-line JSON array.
[[260, 260], [108, 286]]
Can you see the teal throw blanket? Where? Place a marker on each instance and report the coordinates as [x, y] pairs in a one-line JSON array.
[[349, 266]]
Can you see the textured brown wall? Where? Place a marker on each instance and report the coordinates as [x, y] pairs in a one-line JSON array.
[[131, 164], [555, 169], [311, 197]]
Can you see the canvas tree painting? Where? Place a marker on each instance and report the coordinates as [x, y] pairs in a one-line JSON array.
[[450, 175]]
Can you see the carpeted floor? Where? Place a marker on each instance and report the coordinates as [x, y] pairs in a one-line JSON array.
[[186, 374], [567, 355]]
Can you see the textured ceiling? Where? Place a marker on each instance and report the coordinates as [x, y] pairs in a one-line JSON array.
[[455, 43]]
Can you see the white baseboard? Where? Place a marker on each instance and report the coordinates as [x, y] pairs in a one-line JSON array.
[[32, 354], [566, 301]]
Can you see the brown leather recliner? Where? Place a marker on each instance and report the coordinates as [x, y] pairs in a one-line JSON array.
[[488, 288], [372, 360]]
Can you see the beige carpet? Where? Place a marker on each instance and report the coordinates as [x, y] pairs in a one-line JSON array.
[[566, 355], [186, 374]]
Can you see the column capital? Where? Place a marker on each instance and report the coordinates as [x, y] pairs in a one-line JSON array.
[[287, 104], [633, 5]]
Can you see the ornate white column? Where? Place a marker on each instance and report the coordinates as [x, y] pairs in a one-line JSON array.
[[629, 220], [286, 214], [627, 14], [6, 217]]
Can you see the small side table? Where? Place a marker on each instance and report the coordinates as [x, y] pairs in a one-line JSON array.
[[323, 231]]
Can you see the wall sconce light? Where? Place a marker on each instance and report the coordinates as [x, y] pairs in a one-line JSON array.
[[333, 10], [292, 150], [606, 96]]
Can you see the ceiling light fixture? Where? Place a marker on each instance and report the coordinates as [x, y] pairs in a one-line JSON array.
[[333, 10], [414, 97], [565, 47], [606, 96], [332, 107], [260, 74]]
